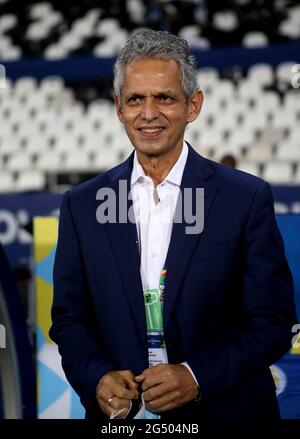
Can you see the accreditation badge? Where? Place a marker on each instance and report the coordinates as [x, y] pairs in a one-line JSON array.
[[155, 332]]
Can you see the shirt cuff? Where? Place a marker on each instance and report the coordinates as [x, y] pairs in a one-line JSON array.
[[192, 373]]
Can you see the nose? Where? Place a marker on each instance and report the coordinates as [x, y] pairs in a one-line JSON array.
[[149, 110]]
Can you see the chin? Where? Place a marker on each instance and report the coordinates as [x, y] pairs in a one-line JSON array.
[[151, 152], [151, 149]]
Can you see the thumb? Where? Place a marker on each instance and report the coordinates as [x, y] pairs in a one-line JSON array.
[[140, 378]]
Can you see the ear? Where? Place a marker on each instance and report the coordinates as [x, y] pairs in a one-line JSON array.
[[119, 108], [194, 106]]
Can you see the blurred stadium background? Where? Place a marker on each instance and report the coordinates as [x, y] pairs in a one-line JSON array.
[[58, 127]]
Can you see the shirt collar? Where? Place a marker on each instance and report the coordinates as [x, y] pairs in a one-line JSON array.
[[175, 174]]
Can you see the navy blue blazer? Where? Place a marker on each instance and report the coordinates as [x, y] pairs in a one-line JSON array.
[[228, 307]]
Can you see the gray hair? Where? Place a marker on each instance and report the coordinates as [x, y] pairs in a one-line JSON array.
[[159, 45]]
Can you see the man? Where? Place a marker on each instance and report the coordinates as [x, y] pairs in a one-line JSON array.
[[209, 309]]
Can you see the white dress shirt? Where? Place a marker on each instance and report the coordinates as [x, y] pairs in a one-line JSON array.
[[154, 221]]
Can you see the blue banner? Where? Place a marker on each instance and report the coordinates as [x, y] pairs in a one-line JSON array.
[[88, 67], [16, 214]]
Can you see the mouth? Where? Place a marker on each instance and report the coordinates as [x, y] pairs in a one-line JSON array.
[[151, 132]]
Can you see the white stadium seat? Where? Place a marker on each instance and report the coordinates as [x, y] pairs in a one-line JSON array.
[[261, 74], [249, 167], [255, 39], [7, 182], [20, 162], [105, 160], [225, 20], [50, 162], [284, 72], [259, 153], [289, 152], [77, 161], [278, 172], [297, 175], [32, 180]]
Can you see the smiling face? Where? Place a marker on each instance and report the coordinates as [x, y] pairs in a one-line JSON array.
[[153, 106]]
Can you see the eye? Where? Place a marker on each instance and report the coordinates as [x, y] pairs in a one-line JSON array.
[[134, 100], [164, 99]]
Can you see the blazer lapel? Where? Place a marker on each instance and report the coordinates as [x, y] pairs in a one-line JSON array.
[[198, 173], [124, 244]]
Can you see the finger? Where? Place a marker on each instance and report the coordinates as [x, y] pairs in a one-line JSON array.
[[160, 374], [115, 384], [154, 375], [124, 377], [168, 401], [128, 377], [152, 379], [122, 392], [157, 391], [130, 382], [105, 395], [140, 378], [146, 372], [119, 403]]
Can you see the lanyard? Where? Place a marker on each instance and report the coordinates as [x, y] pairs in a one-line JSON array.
[[154, 301]]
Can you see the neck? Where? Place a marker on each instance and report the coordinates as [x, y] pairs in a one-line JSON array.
[[158, 167]]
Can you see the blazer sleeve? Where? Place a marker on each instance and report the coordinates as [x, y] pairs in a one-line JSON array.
[[84, 359], [264, 334]]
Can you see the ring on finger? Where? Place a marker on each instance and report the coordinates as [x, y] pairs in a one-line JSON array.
[[110, 399]]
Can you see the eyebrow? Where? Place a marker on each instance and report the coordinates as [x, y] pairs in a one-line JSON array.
[[158, 94], [133, 95]]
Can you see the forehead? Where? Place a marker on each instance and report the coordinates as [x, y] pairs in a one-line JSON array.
[[149, 72]]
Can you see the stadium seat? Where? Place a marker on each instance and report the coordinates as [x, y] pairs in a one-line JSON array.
[[32, 180], [212, 139], [284, 119], [225, 20], [248, 91], [289, 152], [249, 167], [20, 162], [259, 153], [7, 22], [207, 77], [261, 74], [242, 137], [297, 175], [77, 161], [25, 86], [105, 160], [9, 144], [294, 137], [278, 172], [255, 39], [50, 162], [284, 72], [7, 182], [289, 28]]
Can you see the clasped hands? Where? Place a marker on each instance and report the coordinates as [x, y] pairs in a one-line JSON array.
[[164, 387]]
